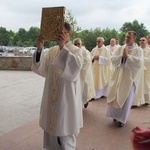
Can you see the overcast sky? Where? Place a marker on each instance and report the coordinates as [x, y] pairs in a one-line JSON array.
[[15, 14]]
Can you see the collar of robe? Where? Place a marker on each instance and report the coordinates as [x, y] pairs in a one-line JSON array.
[[68, 43], [145, 48], [130, 48], [99, 48]]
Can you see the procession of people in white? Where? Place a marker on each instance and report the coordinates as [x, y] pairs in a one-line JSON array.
[[74, 76]]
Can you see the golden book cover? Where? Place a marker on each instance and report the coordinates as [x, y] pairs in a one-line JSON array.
[[52, 22]]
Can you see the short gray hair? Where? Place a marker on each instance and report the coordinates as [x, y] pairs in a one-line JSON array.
[[77, 39], [101, 38]]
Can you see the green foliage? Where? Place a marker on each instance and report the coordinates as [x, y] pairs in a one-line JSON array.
[[49, 44], [28, 38], [121, 37], [73, 23], [107, 34], [139, 28], [89, 37], [4, 36]]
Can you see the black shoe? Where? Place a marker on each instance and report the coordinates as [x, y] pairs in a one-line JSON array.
[[146, 104], [134, 106], [120, 124], [114, 120], [103, 97], [86, 105], [92, 99]]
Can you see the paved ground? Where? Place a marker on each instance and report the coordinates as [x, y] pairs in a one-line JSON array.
[[20, 96]]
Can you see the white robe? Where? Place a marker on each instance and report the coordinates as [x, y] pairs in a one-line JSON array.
[[112, 49], [61, 106], [125, 75], [146, 70], [87, 77], [101, 70], [146, 51], [124, 83], [121, 114]]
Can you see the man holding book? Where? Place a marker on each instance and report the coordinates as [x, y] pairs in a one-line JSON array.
[[61, 108]]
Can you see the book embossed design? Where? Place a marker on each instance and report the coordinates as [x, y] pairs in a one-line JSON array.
[[52, 22]]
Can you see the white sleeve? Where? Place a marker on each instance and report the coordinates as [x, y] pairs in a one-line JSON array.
[[104, 60], [40, 67], [69, 64]]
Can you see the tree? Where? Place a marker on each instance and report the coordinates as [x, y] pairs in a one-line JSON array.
[[88, 38], [107, 34], [4, 36], [139, 28], [20, 35], [19, 43], [32, 35], [73, 23]]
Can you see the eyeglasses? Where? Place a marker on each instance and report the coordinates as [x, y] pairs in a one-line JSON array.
[[142, 40], [98, 41], [77, 44], [129, 37]]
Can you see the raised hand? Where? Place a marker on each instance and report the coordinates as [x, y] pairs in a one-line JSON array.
[[61, 38]]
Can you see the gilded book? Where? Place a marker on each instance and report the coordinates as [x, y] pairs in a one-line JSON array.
[[52, 22]]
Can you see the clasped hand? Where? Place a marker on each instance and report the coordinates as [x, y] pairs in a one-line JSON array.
[[96, 57], [125, 53]]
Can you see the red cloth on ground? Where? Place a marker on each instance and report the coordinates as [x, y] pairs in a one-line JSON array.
[[140, 138]]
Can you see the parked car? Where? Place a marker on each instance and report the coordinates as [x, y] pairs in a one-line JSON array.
[[2, 48], [29, 50], [11, 49], [21, 49]]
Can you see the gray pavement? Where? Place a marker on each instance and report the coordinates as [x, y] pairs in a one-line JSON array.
[[20, 97]]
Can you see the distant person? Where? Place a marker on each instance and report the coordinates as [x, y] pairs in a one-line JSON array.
[[101, 68], [77, 42], [112, 46], [124, 82], [146, 54], [117, 43], [148, 39], [88, 85], [61, 108]]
